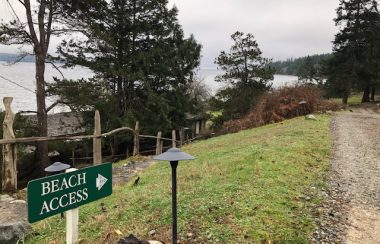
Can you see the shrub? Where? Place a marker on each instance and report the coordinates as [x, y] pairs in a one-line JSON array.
[[280, 104]]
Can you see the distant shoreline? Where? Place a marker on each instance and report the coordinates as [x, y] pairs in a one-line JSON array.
[[11, 57]]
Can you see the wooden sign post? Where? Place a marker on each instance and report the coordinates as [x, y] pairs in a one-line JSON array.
[[72, 220]]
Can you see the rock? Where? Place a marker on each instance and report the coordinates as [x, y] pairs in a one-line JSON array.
[[310, 117], [189, 235], [29, 149], [12, 232], [329, 112], [6, 198], [152, 232], [18, 201], [53, 154], [13, 220], [131, 239]]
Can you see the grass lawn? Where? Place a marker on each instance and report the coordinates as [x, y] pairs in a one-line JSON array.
[[255, 186]]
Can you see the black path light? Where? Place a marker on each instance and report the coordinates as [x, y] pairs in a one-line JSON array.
[[174, 155], [303, 105], [57, 167]]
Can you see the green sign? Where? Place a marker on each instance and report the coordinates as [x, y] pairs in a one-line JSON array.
[[58, 193]]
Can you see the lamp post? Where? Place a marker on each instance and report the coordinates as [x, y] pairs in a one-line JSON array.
[[303, 104], [174, 155]]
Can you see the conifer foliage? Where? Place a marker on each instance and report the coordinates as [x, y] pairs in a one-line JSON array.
[[246, 73], [356, 49], [142, 62]]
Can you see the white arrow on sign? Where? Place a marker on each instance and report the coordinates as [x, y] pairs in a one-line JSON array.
[[100, 181]]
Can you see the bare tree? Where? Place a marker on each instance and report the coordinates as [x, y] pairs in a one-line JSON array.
[[34, 28]]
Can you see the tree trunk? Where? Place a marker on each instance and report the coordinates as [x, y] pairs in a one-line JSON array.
[[373, 92], [366, 94], [345, 98], [42, 147], [120, 96], [347, 93]]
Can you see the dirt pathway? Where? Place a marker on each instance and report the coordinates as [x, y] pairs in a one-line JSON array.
[[124, 173], [352, 209]]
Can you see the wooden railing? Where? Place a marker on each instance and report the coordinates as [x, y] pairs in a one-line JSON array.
[[9, 143]]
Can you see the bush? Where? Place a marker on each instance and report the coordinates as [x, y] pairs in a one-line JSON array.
[[280, 104]]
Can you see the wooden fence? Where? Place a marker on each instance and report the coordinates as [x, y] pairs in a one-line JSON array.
[[9, 144]]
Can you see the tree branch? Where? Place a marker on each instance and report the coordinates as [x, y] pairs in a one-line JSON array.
[[56, 67], [21, 2], [53, 105], [33, 34], [27, 112], [18, 59], [14, 12], [57, 103], [48, 28], [41, 25]]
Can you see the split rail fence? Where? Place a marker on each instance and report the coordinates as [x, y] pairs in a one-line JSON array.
[[9, 143]]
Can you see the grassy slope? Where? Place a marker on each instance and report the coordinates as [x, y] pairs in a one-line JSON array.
[[242, 188]]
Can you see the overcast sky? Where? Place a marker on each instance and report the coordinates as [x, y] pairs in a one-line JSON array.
[[283, 28]]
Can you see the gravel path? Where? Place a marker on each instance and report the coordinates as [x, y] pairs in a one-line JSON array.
[[351, 212], [125, 172]]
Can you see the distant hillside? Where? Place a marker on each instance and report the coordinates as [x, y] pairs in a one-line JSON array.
[[291, 66], [9, 57]]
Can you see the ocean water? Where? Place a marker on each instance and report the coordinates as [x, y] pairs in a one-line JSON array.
[[22, 83], [208, 76], [22, 90]]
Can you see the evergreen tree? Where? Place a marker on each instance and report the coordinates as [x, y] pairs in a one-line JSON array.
[[293, 66], [142, 62], [355, 52], [309, 72], [247, 74]]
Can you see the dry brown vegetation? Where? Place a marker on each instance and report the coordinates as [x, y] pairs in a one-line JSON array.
[[280, 104]]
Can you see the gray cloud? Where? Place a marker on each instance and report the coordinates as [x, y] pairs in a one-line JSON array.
[[283, 28]]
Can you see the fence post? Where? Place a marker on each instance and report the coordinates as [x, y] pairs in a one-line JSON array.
[[9, 170], [158, 144], [97, 141], [174, 139], [136, 142]]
